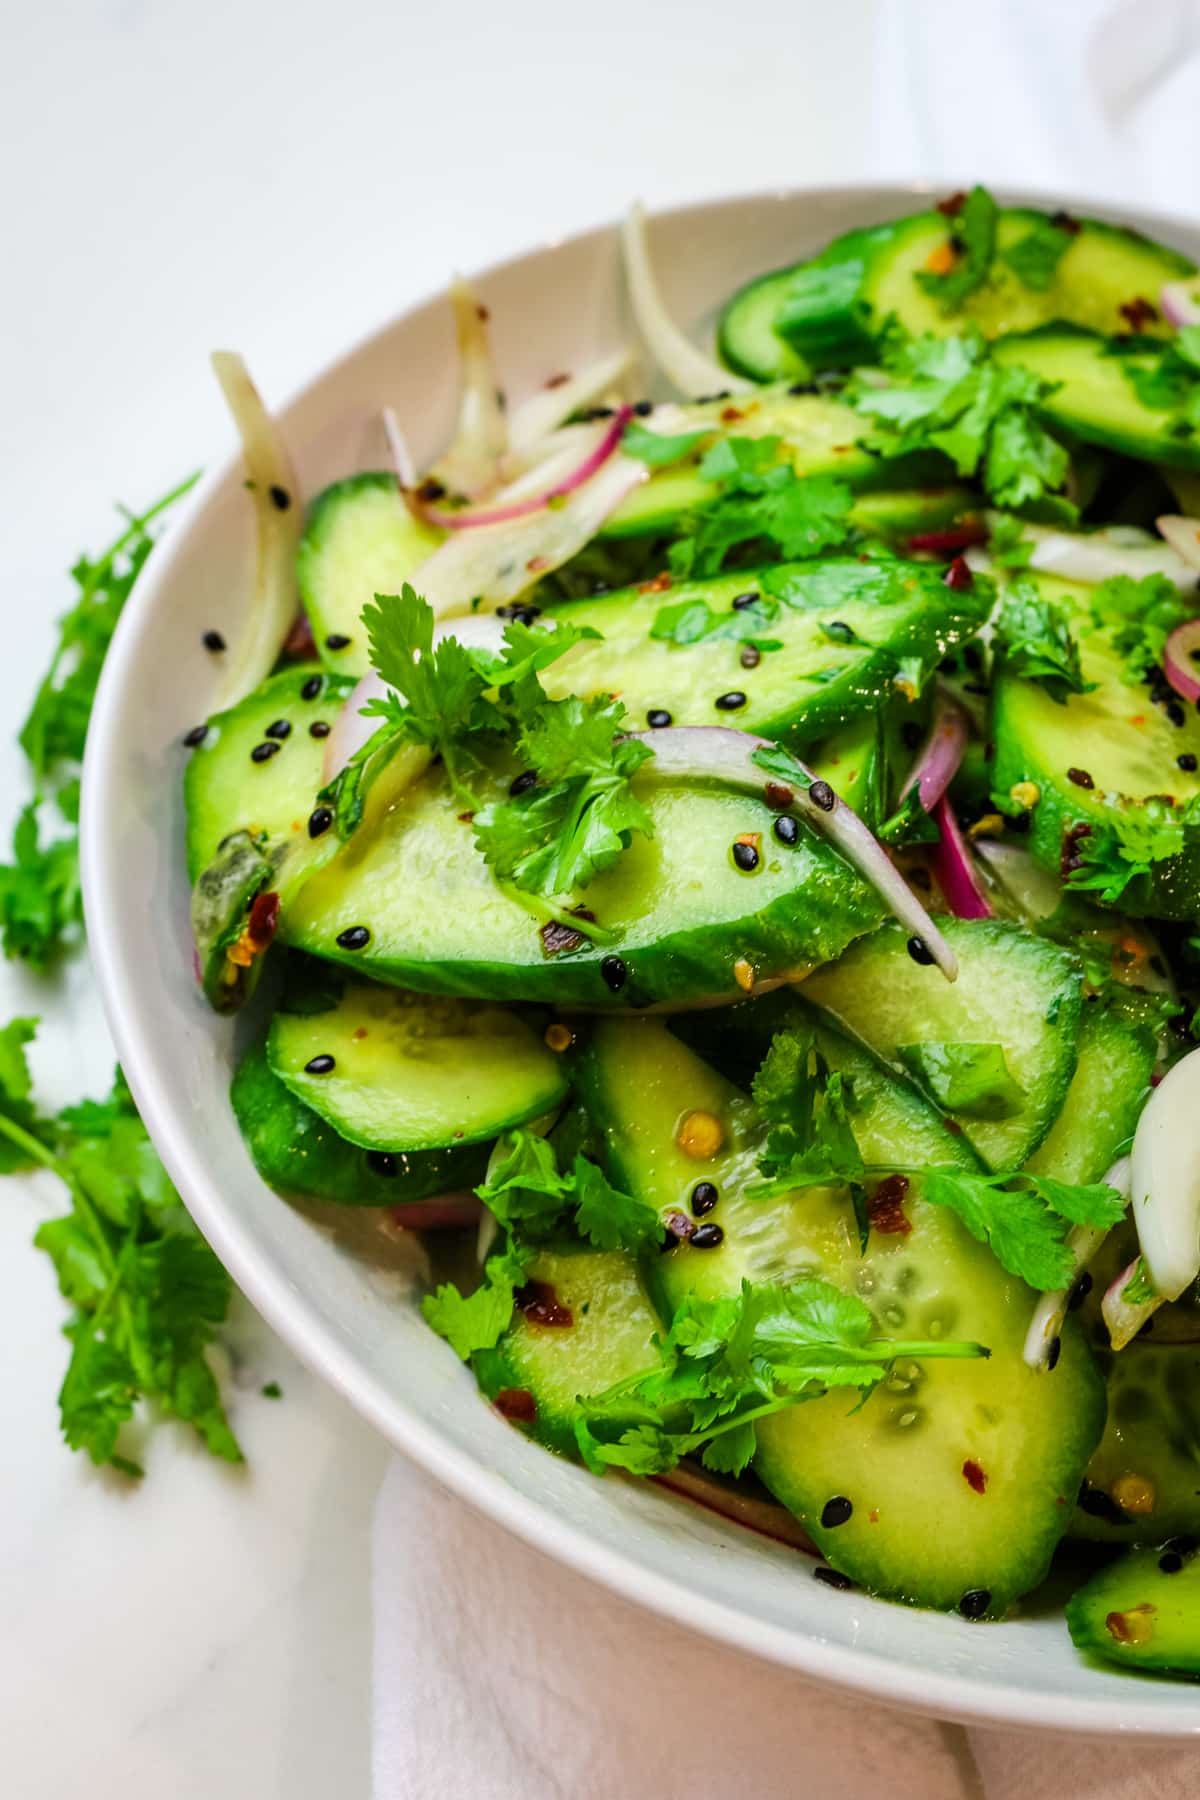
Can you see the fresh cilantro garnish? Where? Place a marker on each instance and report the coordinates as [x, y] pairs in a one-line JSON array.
[[762, 503], [973, 243], [1035, 639], [1138, 617], [477, 1321], [909, 824], [147, 1292], [695, 621], [526, 1192], [972, 1079], [1023, 1219], [1133, 837], [810, 1142], [40, 906], [1165, 374], [658, 448], [727, 1363], [947, 394], [1034, 258]]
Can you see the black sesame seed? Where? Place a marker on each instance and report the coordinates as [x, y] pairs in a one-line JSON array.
[[910, 734], [657, 718], [1175, 712], [279, 497], [614, 973], [212, 640], [730, 702], [838, 630], [920, 952], [382, 1162], [319, 821], [745, 858], [836, 1511], [750, 657], [319, 728], [355, 937], [523, 612], [1080, 1291], [704, 1198], [312, 687], [1099, 1505], [1186, 762], [521, 784], [822, 795], [1081, 778], [281, 728], [195, 736], [706, 1237], [264, 752], [1053, 1353], [1170, 1562], [741, 601], [319, 1065], [804, 387], [972, 656], [832, 1577], [786, 829], [337, 640], [643, 408], [975, 1603]]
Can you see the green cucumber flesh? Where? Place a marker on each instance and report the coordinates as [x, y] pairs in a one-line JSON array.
[[1142, 1612], [1128, 746], [1149, 1456], [296, 1152], [1116, 1057], [919, 1530], [416, 1071], [674, 909], [894, 611], [610, 1338], [1013, 989], [1096, 401], [360, 539]]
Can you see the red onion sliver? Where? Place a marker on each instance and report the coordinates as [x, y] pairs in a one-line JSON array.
[[941, 754], [1178, 664], [462, 519], [441, 1212], [1125, 1318], [953, 867], [1180, 302], [764, 1516]]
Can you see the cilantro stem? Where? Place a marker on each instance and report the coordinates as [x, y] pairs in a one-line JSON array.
[[41, 1153]]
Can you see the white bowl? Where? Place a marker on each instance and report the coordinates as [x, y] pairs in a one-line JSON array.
[[553, 309]]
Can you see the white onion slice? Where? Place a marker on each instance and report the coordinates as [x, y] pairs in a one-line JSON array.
[[687, 368], [1083, 1241], [1166, 1179], [278, 523], [543, 412], [1096, 556], [497, 563], [1180, 302], [1183, 535], [471, 465], [1032, 889], [1125, 1318]]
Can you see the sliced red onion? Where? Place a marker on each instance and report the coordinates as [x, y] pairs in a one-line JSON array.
[[441, 1212], [278, 522], [471, 465], [1183, 535], [764, 1516], [1180, 660], [950, 540], [693, 373], [604, 444], [716, 753], [1180, 302], [940, 755], [535, 418], [1095, 556], [1166, 1179], [953, 868], [497, 563], [1083, 1241], [1125, 1318]]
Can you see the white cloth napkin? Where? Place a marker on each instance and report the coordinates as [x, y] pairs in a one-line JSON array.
[[500, 1675]]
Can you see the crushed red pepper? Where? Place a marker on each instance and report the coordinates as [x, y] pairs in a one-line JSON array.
[[541, 1305], [1138, 312], [517, 1404], [974, 1476], [885, 1208]]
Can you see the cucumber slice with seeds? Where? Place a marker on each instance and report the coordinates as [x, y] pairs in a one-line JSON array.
[[401, 1072], [1096, 401], [1143, 1612], [1143, 1483]]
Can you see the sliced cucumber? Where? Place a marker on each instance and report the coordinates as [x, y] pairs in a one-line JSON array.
[[1143, 1483], [847, 630], [1142, 1612], [910, 1460], [228, 788], [609, 1337], [1013, 989], [676, 916], [295, 1151], [747, 341], [1132, 749], [360, 540], [1117, 1052], [396, 1071], [1095, 400]]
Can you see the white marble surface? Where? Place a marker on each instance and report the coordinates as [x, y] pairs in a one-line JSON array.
[[278, 177]]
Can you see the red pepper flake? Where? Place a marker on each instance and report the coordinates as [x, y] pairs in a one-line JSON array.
[[557, 937], [517, 1404], [299, 643], [1070, 859], [657, 585], [953, 203], [1138, 312], [953, 1127], [955, 537], [482, 314], [541, 1305], [1134, 1626], [885, 1208], [465, 818], [557, 381], [537, 563], [679, 1225], [873, 1516], [1065, 221], [730, 415], [974, 1476], [1155, 1078], [777, 796], [958, 576]]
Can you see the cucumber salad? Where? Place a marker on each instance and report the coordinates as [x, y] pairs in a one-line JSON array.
[[726, 870]]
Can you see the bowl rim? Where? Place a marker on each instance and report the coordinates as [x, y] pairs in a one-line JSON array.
[[964, 1699]]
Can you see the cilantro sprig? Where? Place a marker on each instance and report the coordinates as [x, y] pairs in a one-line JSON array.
[[527, 1193], [972, 244], [1138, 617], [1133, 836], [763, 505], [1035, 639]]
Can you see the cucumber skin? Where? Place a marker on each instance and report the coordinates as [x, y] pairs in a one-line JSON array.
[[1136, 1580], [1146, 437], [295, 1152]]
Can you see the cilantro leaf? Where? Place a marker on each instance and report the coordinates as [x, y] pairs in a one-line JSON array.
[[1138, 617], [1164, 374], [973, 240], [528, 1193], [1023, 1218], [608, 1217], [762, 502], [909, 824], [694, 622], [659, 448], [1134, 836], [1034, 258], [971, 1079], [1035, 638], [474, 1322], [811, 1141]]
